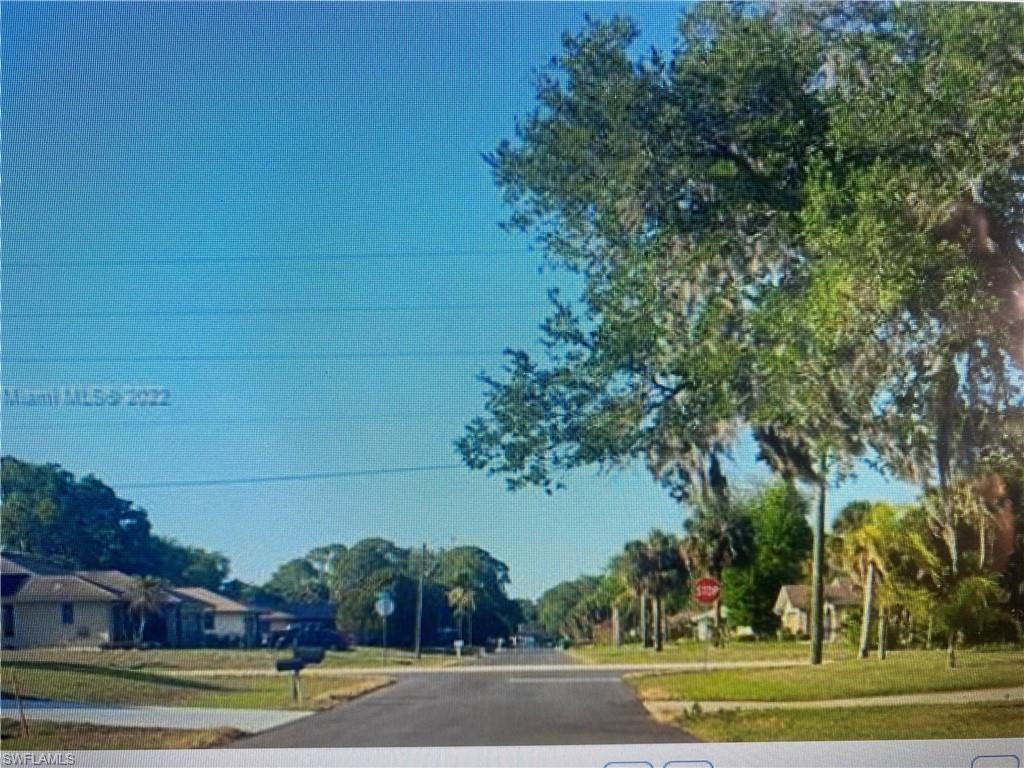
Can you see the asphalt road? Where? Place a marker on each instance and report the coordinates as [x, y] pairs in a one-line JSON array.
[[506, 707]]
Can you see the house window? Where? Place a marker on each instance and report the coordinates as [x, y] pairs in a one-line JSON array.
[[208, 621], [8, 621], [67, 613]]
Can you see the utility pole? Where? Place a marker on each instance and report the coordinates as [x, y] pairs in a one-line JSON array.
[[419, 602], [818, 567]]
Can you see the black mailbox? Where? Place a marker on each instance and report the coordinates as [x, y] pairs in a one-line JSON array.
[[309, 654], [290, 665]]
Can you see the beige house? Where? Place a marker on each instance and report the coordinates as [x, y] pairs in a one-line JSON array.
[[43, 605], [793, 607], [177, 622], [224, 618]]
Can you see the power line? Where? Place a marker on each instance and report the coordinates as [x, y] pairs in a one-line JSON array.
[[285, 478], [186, 358], [259, 311], [257, 258], [10, 415]]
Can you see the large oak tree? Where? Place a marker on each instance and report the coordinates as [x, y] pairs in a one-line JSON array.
[[804, 226]]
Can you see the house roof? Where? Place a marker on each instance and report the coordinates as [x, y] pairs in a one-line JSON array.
[[115, 581], [43, 581], [315, 611], [219, 603], [320, 610], [124, 585], [270, 614], [177, 595], [62, 589], [799, 596], [17, 563]]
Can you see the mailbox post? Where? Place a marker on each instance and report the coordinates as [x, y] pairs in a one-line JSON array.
[[301, 656], [294, 666]]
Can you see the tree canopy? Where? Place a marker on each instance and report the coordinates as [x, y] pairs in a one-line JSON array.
[[805, 223], [781, 546], [804, 226], [358, 573], [563, 610], [83, 523]]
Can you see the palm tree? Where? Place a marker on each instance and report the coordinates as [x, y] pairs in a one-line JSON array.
[[667, 572], [463, 602], [617, 593], [634, 569], [719, 534], [947, 542], [863, 532], [144, 598]]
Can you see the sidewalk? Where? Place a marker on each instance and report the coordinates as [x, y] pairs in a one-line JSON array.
[[178, 718], [669, 710]]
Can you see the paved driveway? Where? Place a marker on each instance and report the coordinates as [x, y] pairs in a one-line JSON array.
[[516, 703]]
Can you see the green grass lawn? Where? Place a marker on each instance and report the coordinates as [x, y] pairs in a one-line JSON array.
[[902, 672], [365, 656], [64, 736], [155, 660], [105, 685], [692, 651], [932, 721], [174, 659]]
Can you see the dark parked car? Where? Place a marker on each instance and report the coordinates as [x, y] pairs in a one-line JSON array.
[[312, 638]]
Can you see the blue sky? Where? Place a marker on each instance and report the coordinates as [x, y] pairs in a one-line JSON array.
[[280, 213]]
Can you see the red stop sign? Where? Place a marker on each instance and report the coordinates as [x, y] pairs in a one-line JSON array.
[[706, 590]]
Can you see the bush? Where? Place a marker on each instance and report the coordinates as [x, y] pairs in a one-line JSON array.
[[849, 628], [1000, 628]]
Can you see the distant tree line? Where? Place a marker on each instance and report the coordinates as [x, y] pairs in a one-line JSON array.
[[464, 590], [947, 569], [82, 523], [753, 545]]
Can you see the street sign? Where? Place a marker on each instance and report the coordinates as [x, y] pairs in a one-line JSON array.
[[706, 590], [385, 605]]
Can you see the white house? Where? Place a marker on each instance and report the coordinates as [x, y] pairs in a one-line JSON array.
[[225, 618], [43, 604]]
